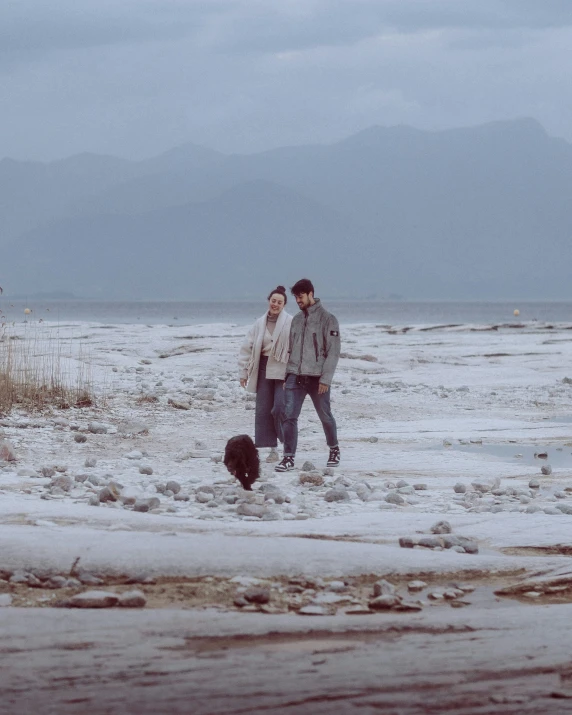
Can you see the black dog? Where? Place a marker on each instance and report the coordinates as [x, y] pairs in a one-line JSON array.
[[241, 460]]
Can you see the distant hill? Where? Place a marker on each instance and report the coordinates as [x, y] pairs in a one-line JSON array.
[[477, 213], [241, 243]]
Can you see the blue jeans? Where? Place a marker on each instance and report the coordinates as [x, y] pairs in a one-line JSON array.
[[296, 387], [269, 409]]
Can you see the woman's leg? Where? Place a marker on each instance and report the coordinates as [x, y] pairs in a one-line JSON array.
[[278, 409], [264, 430]]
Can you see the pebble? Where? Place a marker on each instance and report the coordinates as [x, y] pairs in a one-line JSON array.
[[546, 469], [145, 505], [313, 611], [247, 509], [415, 586], [173, 486], [132, 427], [393, 498], [134, 454], [90, 462], [384, 602], [534, 483], [333, 495], [97, 428], [358, 611], [533, 509], [460, 488], [405, 606], [108, 494], [145, 469], [383, 588], [132, 599], [441, 527], [308, 466], [256, 594], [336, 586], [420, 487]]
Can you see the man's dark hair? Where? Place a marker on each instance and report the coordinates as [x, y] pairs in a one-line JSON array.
[[280, 290], [304, 285]]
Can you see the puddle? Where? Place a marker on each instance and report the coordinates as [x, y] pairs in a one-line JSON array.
[[557, 456]]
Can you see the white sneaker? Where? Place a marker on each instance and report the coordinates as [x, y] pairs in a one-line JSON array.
[[272, 455], [286, 465]]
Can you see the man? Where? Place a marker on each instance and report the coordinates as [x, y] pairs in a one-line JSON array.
[[314, 353]]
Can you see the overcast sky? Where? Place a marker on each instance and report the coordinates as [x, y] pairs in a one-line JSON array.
[[136, 77]]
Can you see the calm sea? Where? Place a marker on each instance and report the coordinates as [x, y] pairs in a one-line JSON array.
[[243, 312]]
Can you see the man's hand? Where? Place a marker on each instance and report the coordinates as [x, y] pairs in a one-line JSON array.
[[243, 382], [322, 388]]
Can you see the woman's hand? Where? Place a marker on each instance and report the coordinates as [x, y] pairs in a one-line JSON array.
[[243, 382]]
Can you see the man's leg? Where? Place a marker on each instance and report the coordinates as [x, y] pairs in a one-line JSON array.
[[293, 400], [324, 412]]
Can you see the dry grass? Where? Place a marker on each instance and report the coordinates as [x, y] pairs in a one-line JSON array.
[[38, 369], [147, 399]]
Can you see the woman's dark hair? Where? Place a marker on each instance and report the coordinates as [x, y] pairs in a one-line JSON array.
[[304, 285], [281, 291]]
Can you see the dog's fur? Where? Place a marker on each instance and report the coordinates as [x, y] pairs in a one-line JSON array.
[[241, 460]]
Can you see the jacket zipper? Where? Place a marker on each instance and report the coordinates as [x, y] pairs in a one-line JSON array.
[[315, 339], [302, 346]]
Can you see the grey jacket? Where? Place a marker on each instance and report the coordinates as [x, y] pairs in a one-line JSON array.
[[314, 343]]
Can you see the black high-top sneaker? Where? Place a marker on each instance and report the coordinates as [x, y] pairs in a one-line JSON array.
[[286, 465], [334, 458]]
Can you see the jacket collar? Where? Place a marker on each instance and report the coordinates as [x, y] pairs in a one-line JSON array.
[[314, 308]]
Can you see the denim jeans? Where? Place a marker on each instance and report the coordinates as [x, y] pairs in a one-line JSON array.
[[296, 387], [269, 409]]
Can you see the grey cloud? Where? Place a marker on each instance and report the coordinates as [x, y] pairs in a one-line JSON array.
[[30, 29]]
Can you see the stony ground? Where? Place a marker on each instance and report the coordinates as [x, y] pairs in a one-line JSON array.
[[428, 573]]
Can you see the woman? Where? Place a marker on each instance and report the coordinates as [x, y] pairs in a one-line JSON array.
[[262, 367]]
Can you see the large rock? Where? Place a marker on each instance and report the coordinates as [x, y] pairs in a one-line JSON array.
[[63, 481], [336, 495], [93, 599], [7, 451], [246, 509], [313, 479]]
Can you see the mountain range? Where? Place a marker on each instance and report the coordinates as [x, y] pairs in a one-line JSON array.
[[479, 213]]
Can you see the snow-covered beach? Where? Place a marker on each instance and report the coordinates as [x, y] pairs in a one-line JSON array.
[[436, 423]]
